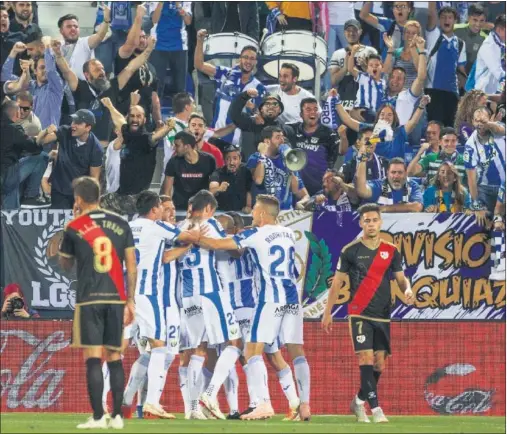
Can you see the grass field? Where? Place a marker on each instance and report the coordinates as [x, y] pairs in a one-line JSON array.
[[66, 423]]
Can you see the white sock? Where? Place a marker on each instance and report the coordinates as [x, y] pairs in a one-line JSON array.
[[207, 375], [259, 378], [142, 391], [107, 383], [251, 392], [225, 363], [167, 364], [359, 401], [302, 371], [231, 390], [155, 375], [183, 372], [288, 387], [194, 380], [137, 374]]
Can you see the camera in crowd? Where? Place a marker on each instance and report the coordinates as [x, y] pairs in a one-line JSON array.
[[15, 304]]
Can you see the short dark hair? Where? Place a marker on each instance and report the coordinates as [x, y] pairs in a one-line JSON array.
[[164, 198], [368, 207], [448, 130], [476, 9], [294, 69], [363, 131], [448, 10], [197, 115], [372, 57], [186, 138], [8, 106], [239, 222], [146, 200], [180, 101], [87, 188], [500, 21], [399, 68], [267, 132], [25, 96], [438, 123], [36, 61], [66, 18], [271, 202], [308, 100], [3, 8], [249, 48], [396, 160], [202, 199]]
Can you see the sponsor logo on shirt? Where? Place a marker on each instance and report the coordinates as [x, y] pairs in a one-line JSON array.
[[192, 311]]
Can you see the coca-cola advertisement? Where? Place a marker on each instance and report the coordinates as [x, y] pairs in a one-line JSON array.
[[437, 367]]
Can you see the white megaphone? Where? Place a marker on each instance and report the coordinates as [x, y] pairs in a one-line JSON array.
[[295, 159]]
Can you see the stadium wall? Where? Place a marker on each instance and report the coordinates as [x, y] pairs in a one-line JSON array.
[[437, 367]]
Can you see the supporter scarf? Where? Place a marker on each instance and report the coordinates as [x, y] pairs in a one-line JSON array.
[[442, 207], [386, 197], [384, 131], [329, 117], [271, 20], [451, 158]]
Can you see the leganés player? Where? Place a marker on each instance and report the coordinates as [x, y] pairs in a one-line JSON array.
[[368, 262], [99, 242]]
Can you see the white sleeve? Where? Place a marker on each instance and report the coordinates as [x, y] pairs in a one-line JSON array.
[[338, 59], [167, 231], [48, 171], [247, 239], [431, 38], [492, 59]]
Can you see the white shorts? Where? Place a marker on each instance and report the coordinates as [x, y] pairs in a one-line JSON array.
[[150, 317], [273, 320], [172, 320], [244, 317], [208, 318]]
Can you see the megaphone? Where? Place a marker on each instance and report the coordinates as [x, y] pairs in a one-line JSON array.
[[295, 159]]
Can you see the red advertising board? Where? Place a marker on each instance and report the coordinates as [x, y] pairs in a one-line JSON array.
[[436, 368]]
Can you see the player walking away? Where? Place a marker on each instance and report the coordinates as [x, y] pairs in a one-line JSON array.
[[100, 242], [368, 262], [278, 313]]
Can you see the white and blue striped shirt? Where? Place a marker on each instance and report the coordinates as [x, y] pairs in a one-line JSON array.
[[150, 238], [273, 250], [237, 277], [488, 159], [371, 94], [198, 267]]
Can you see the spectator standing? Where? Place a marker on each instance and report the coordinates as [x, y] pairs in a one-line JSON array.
[[79, 154], [289, 16], [7, 38], [319, 142], [335, 195], [289, 92], [27, 119], [447, 55], [339, 13], [188, 171], [232, 183], [493, 11], [242, 17], [170, 19], [465, 114], [23, 17], [395, 193], [197, 126], [472, 33]]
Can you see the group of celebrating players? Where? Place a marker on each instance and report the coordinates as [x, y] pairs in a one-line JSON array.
[[214, 292]]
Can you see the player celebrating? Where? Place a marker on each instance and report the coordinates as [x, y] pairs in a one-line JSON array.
[[278, 313], [368, 262], [100, 242]]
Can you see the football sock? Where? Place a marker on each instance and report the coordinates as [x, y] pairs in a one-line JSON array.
[[194, 379], [117, 380], [302, 372], [288, 387], [142, 391], [155, 375], [231, 390], [183, 372], [167, 364], [224, 365], [95, 382], [361, 395], [369, 385], [376, 375], [251, 392], [107, 383], [137, 375], [259, 378], [207, 375]]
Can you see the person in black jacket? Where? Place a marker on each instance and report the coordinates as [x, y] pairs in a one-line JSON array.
[[14, 142], [269, 110]]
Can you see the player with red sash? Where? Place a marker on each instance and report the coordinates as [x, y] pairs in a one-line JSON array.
[[368, 263]]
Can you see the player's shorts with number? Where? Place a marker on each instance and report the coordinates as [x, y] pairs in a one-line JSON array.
[[172, 321], [273, 320], [368, 334], [209, 318], [150, 317], [244, 317]]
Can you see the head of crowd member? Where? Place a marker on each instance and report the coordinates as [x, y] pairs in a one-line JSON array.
[[330, 187], [448, 179], [310, 112], [476, 17], [288, 77], [25, 102], [23, 11], [353, 31], [197, 127], [397, 173], [149, 206], [374, 66], [33, 41], [69, 28], [500, 27], [412, 29], [271, 107], [183, 104], [136, 119], [142, 43], [86, 192], [370, 220], [248, 59], [168, 209], [467, 105], [39, 67], [82, 123], [433, 133], [4, 19], [397, 80], [481, 117], [387, 114], [401, 11], [265, 210], [363, 136], [95, 74], [273, 137], [204, 205], [232, 157], [239, 222], [11, 111], [184, 144], [448, 140], [227, 223], [447, 16]]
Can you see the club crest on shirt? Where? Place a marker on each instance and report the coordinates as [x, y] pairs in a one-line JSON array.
[[384, 255]]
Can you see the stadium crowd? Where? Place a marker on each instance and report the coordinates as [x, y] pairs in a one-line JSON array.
[[415, 93]]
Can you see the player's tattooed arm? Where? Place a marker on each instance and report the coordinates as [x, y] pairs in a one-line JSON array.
[[327, 319], [131, 265]]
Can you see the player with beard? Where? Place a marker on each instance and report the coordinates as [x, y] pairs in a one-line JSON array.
[[88, 93], [197, 127], [139, 146], [368, 263], [231, 82]]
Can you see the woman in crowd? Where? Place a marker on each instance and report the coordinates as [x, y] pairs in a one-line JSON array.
[[465, 114]]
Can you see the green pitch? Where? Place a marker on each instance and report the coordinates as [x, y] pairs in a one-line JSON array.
[[66, 423]]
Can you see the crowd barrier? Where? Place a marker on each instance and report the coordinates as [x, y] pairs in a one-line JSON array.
[[437, 367]]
